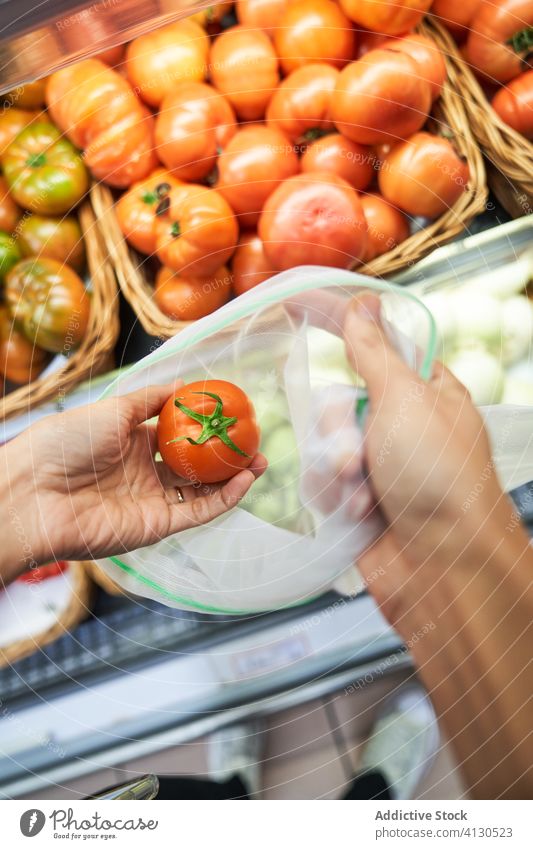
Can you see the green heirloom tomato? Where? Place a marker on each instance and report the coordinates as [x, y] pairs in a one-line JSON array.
[[57, 238], [49, 303], [9, 254], [44, 171]]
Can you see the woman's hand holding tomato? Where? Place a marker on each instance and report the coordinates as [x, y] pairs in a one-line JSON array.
[[314, 31]]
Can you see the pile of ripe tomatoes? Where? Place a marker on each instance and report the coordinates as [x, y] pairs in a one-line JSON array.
[[293, 136]]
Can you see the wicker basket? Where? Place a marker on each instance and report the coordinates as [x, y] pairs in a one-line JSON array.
[[450, 111], [510, 154], [98, 576], [95, 352], [77, 610]]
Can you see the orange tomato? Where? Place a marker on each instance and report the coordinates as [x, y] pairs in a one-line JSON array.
[[301, 105], [188, 298], [456, 14], [313, 219], [254, 162], [423, 175], [137, 209], [194, 123], [314, 31], [514, 104], [244, 67], [158, 60], [12, 122], [211, 15], [367, 40], [339, 155], [113, 55], [250, 265], [20, 361], [380, 97], [260, 14], [198, 232], [427, 54], [392, 17], [124, 152], [500, 38], [387, 226], [10, 212], [28, 96]]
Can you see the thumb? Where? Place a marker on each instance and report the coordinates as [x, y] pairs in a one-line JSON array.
[[368, 348]]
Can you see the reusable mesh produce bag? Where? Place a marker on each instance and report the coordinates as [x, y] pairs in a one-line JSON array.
[[305, 522]]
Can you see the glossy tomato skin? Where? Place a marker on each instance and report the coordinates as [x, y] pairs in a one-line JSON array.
[[194, 123], [260, 14], [157, 61], [313, 219], [57, 238], [49, 302], [338, 155], [10, 212], [43, 170], [198, 233], [301, 104], [136, 209], [314, 31], [124, 152], [387, 226], [190, 298], [492, 27], [514, 104], [244, 67], [456, 14], [250, 265], [428, 56], [254, 162], [392, 17], [213, 461], [9, 254], [380, 98], [424, 175], [28, 96], [12, 122], [20, 361]]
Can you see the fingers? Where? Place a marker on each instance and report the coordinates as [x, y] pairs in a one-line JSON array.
[[146, 403], [368, 348]]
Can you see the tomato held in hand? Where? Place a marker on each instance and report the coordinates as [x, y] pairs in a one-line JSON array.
[[393, 17], [514, 104], [424, 175], [300, 107], [137, 209], [428, 56], [198, 231], [48, 301], [501, 39], [12, 122], [387, 226], [341, 156], [189, 298], [313, 219], [20, 361], [44, 171], [158, 61], [195, 121], [57, 238], [9, 253], [255, 161], [244, 67], [260, 14], [381, 97], [9, 211], [250, 265], [314, 31], [208, 432]]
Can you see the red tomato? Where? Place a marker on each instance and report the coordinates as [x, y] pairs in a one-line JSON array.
[[137, 209], [501, 38], [314, 31], [9, 211], [313, 219], [124, 152], [424, 175], [208, 432], [188, 298], [514, 104], [250, 265], [260, 14], [339, 155], [389, 16], [427, 54], [244, 67], [113, 55], [456, 14], [20, 360], [380, 97], [387, 226], [301, 104], [159, 60], [40, 573], [367, 41], [254, 162], [198, 231], [194, 122]]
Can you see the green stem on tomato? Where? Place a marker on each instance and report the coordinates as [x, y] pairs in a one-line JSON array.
[[213, 424], [521, 41]]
